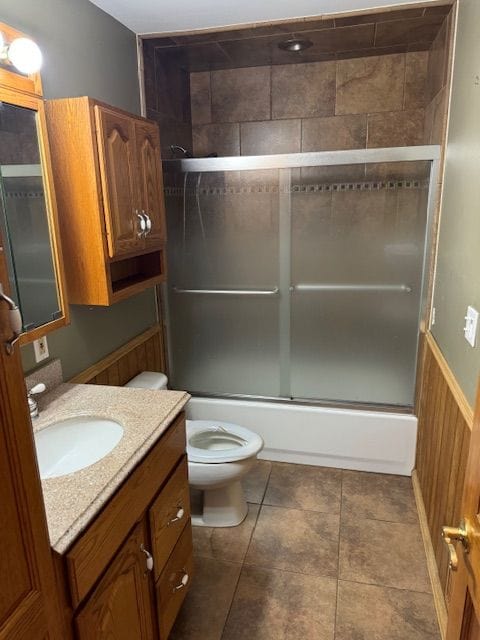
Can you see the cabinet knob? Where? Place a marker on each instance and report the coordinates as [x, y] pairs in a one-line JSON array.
[[179, 516], [149, 558], [183, 582]]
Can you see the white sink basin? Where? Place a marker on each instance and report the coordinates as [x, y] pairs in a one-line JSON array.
[[75, 443]]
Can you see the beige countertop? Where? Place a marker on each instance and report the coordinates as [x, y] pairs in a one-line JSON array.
[[72, 501]]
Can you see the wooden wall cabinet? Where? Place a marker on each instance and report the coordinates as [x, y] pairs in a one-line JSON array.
[[127, 575], [108, 178]]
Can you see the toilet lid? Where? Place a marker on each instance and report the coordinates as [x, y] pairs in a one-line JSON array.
[[214, 441]]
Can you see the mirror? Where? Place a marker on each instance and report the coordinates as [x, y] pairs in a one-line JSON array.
[[24, 221]]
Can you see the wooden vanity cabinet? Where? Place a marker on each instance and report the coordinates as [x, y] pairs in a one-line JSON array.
[[121, 605], [127, 575], [109, 186]]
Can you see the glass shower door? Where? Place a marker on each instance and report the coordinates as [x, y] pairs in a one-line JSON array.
[[357, 252], [223, 281]]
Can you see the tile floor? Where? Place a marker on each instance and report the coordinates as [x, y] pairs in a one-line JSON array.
[[323, 554]]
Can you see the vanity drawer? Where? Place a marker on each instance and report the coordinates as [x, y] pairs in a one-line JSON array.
[[91, 554], [168, 515], [174, 582]]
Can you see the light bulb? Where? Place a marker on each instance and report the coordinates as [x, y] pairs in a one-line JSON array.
[[25, 54]]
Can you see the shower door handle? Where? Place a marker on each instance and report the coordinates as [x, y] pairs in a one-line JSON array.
[[230, 292], [401, 288]]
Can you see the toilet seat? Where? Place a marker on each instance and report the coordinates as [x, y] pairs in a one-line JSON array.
[[215, 442]]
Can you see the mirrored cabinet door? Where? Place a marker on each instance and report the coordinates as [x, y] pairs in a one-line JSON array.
[[26, 224]]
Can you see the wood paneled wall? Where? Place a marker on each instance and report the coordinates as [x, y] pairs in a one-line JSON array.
[[146, 352], [444, 427]]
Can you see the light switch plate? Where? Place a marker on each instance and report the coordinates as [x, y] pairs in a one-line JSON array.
[[40, 348], [470, 328]]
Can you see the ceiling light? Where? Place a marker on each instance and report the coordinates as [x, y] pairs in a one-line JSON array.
[[23, 53], [295, 44]]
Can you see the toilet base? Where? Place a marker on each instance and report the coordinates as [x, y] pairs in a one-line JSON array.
[[223, 507]]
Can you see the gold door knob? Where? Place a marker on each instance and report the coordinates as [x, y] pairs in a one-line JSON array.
[[451, 534]]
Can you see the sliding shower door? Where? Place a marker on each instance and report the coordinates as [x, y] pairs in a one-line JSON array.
[[301, 281], [358, 241], [223, 274]]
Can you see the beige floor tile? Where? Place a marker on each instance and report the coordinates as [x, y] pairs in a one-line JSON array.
[[378, 496], [225, 543], [388, 554], [276, 605], [367, 612], [294, 540], [206, 606], [299, 486], [255, 483]]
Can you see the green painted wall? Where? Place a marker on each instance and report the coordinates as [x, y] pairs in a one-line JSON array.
[[457, 282], [86, 52]]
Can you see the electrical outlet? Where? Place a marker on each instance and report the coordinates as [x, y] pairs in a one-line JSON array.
[[40, 348], [470, 328]]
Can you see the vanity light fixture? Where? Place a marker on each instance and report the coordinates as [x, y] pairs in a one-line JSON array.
[[24, 54]]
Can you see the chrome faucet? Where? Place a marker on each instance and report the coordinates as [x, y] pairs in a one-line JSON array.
[[32, 403]]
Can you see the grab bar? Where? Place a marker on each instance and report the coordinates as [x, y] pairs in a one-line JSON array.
[[403, 288], [230, 292]]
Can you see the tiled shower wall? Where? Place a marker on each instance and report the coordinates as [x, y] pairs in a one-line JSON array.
[[437, 83], [376, 101], [167, 97]]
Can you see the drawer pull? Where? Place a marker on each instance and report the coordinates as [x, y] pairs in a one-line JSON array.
[[183, 582], [149, 558], [179, 516]]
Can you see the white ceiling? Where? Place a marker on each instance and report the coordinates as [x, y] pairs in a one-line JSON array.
[[162, 16]]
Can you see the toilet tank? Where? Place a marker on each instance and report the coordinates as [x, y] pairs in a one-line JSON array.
[[149, 380]]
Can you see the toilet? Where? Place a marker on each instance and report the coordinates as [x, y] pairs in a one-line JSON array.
[[219, 455]]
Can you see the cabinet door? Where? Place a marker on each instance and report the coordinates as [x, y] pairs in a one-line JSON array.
[[118, 168], [174, 582], [28, 606], [168, 516], [120, 608], [150, 180]]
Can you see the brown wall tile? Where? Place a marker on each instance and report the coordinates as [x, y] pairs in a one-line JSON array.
[[435, 118], [273, 136], [149, 75], [408, 31], [366, 85], [201, 97], [171, 132], [172, 83], [241, 95], [438, 63], [416, 64], [223, 139], [341, 39], [367, 18], [303, 90], [338, 132], [395, 129]]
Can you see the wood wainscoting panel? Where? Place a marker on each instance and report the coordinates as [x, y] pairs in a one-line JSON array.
[[145, 352], [444, 427]]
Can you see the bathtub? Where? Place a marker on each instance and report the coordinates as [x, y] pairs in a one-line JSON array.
[[375, 441]]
